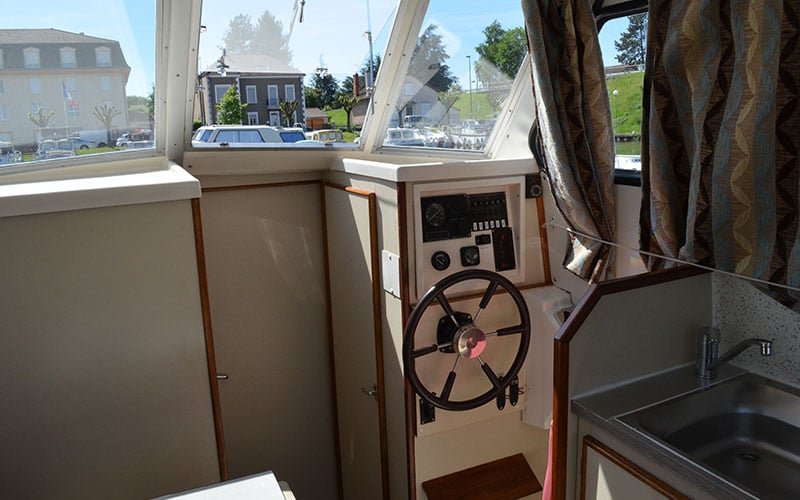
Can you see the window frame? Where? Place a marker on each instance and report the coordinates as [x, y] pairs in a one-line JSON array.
[[176, 30], [272, 102], [217, 94], [286, 88], [602, 16], [35, 85], [32, 58], [254, 89], [67, 62], [103, 51]]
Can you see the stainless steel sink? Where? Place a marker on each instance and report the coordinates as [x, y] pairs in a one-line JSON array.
[[746, 430]]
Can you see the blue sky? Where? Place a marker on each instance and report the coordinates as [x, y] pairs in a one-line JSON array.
[[131, 22], [332, 31]]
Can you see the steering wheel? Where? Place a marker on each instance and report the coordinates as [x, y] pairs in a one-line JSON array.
[[459, 337]]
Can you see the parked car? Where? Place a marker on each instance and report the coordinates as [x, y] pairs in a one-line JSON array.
[[326, 136], [8, 154], [138, 139], [245, 135], [78, 143], [54, 148]]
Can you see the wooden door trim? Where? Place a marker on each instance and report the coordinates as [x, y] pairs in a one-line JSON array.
[[211, 359], [377, 319], [627, 465]]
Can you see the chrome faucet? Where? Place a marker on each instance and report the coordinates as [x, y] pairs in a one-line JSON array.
[[708, 346]]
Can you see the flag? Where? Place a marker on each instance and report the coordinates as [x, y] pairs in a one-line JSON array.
[[68, 96]]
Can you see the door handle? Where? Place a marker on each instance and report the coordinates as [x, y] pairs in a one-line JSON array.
[[371, 392], [222, 376]]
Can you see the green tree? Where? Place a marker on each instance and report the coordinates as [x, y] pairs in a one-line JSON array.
[[230, 110], [501, 55], [313, 97], [347, 102], [428, 61], [240, 35], [139, 104], [287, 109], [40, 118], [106, 115], [448, 99], [631, 46], [327, 86], [266, 37]]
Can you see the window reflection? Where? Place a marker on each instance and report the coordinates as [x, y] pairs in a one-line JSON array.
[[77, 81], [310, 66], [461, 72]]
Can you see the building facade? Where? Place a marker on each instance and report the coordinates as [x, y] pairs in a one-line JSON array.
[[61, 76], [263, 82]]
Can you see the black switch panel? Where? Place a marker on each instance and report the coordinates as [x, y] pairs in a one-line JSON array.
[[503, 244]]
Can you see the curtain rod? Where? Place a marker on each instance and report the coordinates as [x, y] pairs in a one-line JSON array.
[[553, 224]]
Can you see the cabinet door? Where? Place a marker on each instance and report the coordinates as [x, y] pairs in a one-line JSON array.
[[605, 474], [351, 238]]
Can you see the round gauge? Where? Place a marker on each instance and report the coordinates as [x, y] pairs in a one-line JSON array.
[[440, 260], [470, 256], [435, 215]]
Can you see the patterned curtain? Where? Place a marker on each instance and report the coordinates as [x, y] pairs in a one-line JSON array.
[[574, 120], [721, 136]]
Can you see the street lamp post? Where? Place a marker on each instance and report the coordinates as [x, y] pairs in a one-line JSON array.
[[469, 67], [371, 82], [616, 107]]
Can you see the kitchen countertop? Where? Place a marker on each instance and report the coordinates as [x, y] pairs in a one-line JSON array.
[[602, 408]]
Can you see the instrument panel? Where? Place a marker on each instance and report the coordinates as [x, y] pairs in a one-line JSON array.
[[468, 225]]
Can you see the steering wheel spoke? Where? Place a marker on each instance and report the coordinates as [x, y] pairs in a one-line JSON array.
[[491, 375], [459, 335], [448, 386], [425, 351], [512, 330], [448, 309]]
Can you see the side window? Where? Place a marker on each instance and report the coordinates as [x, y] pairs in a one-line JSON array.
[[103, 57], [219, 91], [252, 98], [105, 84], [68, 59], [275, 118], [35, 85], [80, 74], [623, 42], [272, 96], [31, 55]]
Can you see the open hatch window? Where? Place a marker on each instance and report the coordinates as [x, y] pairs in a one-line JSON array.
[[461, 73]]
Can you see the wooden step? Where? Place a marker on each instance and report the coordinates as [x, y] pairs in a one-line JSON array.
[[508, 478]]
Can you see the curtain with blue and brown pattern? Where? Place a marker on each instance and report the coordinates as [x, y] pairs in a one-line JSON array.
[[574, 121], [721, 136]]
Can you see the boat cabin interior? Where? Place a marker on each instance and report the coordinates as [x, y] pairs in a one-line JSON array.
[[580, 279]]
